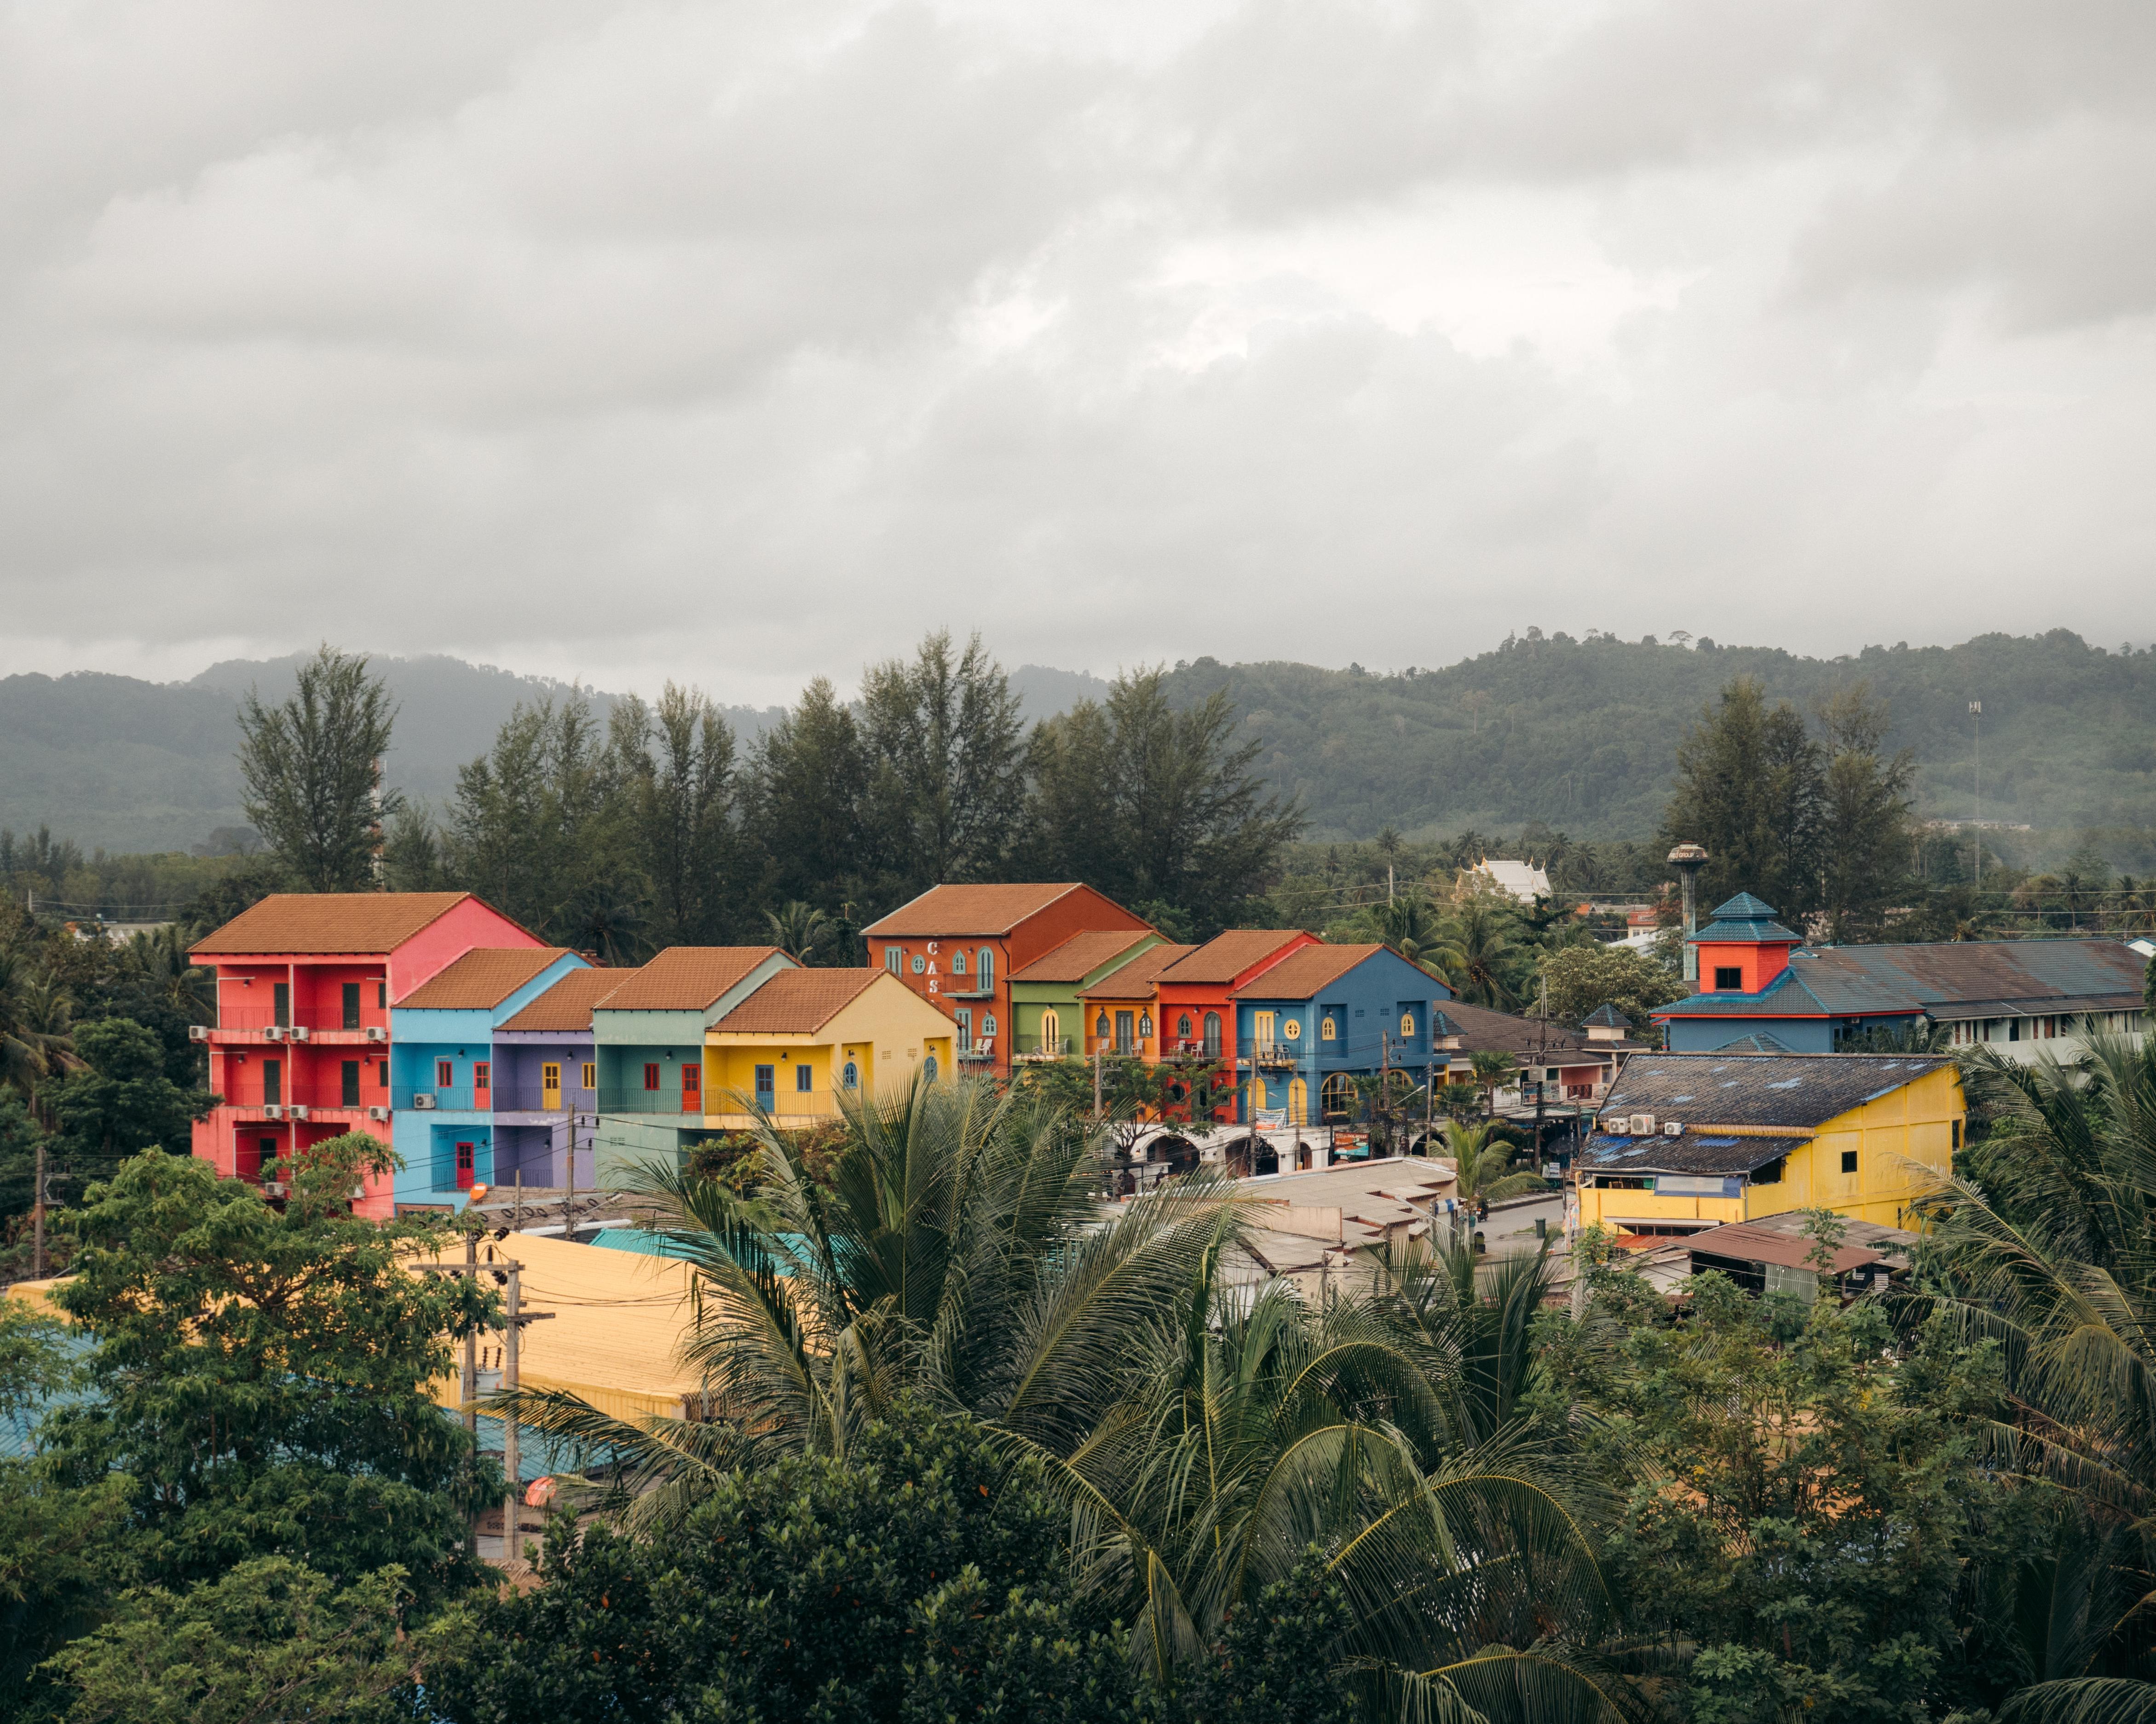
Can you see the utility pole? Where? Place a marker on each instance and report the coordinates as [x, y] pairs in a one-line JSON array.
[[512, 1458], [38, 1216], [509, 1271], [517, 1214], [1976, 817], [569, 1195]]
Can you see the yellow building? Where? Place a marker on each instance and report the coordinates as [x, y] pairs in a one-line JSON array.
[[1685, 1141], [807, 1037]]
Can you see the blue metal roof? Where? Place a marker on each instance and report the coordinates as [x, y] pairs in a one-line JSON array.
[[1947, 980], [1744, 917]]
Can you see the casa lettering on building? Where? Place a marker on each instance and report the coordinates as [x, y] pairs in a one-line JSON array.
[[1763, 987], [958, 947]]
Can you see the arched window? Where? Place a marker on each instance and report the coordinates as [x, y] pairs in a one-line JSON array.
[[1145, 1023], [1298, 1102], [959, 961], [1182, 1026], [1257, 1095], [928, 1067], [985, 977], [1101, 1027], [1338, 1096], [988, 1024], [1212, 1032], [1407, 1026], [850, 1076], [1328, 1031]]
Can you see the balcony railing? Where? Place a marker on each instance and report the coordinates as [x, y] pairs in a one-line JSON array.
[[1043, 1047], [1192, 1048], [977, 1052], [252, 1019], [313, 1095], [1274, 1054], [649, 1102]]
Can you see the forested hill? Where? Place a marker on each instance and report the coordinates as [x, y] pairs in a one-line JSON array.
[[1580, 734], [1583, 734]]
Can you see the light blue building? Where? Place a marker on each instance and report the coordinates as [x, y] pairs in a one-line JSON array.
[[449, 1114], [1324, 1015]]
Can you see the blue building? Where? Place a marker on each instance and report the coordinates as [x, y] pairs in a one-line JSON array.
[[1323, 1016], [446, 1105], [1765, 990]]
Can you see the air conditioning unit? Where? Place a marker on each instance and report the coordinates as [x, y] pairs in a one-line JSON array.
[[423, 1100], [297, 1033], [274, 1033], [376, 1033], [296, 1111], [1643, 1125], [379, 1115], [273, 1111], [199, 1032], [1672, 1128]]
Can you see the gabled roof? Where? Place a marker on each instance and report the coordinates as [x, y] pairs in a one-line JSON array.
[[799, 1001], [1225, 957], [1951, 979], [566, 1008], [1800, 1091], [954, 910], [1748, 1242], [1442, 1024], [1480, 1028], [1608, 1016], [1135, 980], [687, 979], [482, 978], [328, 922], [1760, 1042], [1079, 956], [1301, 974]]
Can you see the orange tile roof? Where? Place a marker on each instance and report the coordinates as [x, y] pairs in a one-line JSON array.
[[968, 910], [796, 1002], [1079, 956], [484, 977], [1135, 979], [1301, 974], [566, 1008], [328, 922], [687, 979], [1225, 957]]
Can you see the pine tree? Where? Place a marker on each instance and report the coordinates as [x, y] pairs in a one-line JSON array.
[[311, 769]]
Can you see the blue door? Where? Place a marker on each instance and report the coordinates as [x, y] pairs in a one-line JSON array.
[[767, 1087]]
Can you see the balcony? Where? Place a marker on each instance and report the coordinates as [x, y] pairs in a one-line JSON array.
[[1043, 1047], [315, 1098], [786, 1108], [651, 1101], [979, 1052], [1190, 1048], [252, 1024], [1275, 1056]]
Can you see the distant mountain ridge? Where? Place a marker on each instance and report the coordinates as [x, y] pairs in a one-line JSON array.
[[1580, 734]]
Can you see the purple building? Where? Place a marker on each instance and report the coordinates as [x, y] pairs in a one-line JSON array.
[[547, 1107]]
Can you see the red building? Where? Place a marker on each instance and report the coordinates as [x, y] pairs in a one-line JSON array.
[[301, 1049], [1195, 996], [957, 946]]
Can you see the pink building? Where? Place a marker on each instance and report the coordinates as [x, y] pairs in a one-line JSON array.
[[301, 1049]]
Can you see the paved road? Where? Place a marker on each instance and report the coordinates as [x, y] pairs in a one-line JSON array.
[[1513, 1229]]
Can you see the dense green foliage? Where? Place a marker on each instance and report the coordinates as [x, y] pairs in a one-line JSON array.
[[312, 768], [1580, 979]]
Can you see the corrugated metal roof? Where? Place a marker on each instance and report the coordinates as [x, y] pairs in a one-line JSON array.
[[328, 922], [1695, 1152], [1079, 956], [1746, 1243], [1790, 1089], [566, 1008], [796, 1002], [483, 978], [687, 979], [1945, 980]]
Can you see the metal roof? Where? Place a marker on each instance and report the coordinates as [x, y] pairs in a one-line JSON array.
[[1694, 1152], [1803, 1091], [1744, 917], [1968, 978]]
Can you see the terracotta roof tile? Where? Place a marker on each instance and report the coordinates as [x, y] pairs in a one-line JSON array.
[[566, 1008], [1135, 979], [328, 922], [687, 979], [484, 977], [1301, 974], [796, 1001], [1079, 956], [968, 910], [1225, 957]]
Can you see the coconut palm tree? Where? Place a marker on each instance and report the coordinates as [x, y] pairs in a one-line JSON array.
[[957, 1256], [1477, 956], [2048, 1246], [34, 1026], [1484, 1159], [800, 931]]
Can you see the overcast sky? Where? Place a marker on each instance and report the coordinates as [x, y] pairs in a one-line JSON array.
[[739, 342]]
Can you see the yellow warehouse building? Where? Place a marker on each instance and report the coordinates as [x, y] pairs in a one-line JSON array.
[[1686, 1141]]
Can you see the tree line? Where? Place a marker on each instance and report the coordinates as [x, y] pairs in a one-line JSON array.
[[655, 829]]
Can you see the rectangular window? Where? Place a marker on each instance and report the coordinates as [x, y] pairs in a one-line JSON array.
[[381, 996], [804, 1079], [1728, 980], [273, 1082], [591, 1075], [1957, 1134], [550, 1082], [1848, 1161], [692, 1089], [651, 1077], [1126, 1030], [280, 1002], [445, 1073], [265, 1154], [381, 1073], [350, 993], [348, 1083], [964, 1018], [894, 959], [481, 1075], [766, 1083]]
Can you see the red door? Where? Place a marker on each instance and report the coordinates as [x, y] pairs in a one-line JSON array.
[[692, 1089], [463, 1167]]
